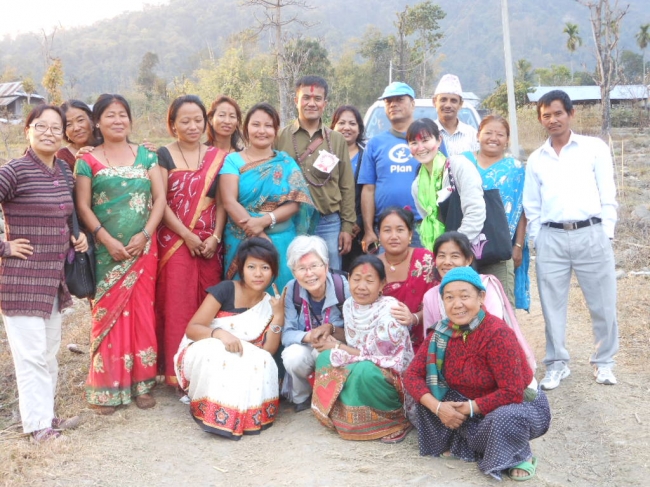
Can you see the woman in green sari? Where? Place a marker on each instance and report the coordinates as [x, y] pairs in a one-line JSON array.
[[358, 388], [120, 196]]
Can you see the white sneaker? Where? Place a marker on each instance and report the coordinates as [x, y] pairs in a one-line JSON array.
[[604, 375], [553, 377]]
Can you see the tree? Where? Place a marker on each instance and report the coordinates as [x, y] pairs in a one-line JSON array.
[[631, 67], [556, 75], [147, 79], [605, 18], [275, 21], [53, 81], [417, 39], [498, 99], [306, 56], [378, 50], [643, 39], [523, 68], [574, 41]]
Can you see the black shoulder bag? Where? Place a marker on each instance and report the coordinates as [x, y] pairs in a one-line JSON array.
[[79, 266], [494, 243]]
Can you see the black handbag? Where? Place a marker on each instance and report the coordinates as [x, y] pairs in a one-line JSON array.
[[79, 267], [494, 244]]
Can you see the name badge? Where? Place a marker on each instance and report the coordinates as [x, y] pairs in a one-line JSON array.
[[326, 162]]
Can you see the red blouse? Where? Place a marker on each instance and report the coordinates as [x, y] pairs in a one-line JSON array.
[[489, 367], [420, 278]]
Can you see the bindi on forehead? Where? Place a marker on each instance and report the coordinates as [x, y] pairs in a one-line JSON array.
[[312, 88]]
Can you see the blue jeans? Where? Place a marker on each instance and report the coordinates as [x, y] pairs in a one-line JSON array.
[[329, 227]]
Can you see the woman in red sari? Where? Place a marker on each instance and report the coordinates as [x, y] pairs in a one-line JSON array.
[[409, 271], [119, 195], [189, 239]]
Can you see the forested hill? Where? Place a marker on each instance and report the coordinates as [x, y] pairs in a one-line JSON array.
[[106, 55]]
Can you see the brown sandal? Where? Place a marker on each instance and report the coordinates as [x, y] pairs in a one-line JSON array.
[[145, 401], [103, 410], [396, 437]]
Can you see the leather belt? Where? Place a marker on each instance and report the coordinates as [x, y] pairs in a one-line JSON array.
[[574, 225]]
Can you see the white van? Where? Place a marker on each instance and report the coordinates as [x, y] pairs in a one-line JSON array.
[[376, 120]]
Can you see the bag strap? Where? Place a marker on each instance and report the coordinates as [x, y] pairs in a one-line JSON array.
[[339, 291], [297, 301], [310, 149], [356, 173], [75, 220]]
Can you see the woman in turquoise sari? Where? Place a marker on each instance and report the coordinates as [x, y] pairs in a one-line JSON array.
[[263, 192], [506, 174]]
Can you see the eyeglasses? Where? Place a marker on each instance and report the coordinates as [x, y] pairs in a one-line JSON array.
[[41, 128], [313, 268]]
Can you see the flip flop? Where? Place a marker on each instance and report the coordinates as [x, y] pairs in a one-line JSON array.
[[530, 467], [396, 437]]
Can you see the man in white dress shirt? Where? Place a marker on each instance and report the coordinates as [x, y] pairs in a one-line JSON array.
[[570, 203], [448, 100]]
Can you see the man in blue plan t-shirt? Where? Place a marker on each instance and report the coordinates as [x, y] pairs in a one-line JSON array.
[[388, 170]]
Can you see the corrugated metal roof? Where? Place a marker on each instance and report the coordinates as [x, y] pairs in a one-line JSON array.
[[589, 93], [9, 92]]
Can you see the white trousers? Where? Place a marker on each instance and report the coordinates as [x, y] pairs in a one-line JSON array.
[[34, 343], [587, 252], [299, 361]]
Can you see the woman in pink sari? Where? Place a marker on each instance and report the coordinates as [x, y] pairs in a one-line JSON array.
[[120, 196], [189, 239], [452, 249]]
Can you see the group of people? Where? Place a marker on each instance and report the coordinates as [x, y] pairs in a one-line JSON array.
[[303, 262]]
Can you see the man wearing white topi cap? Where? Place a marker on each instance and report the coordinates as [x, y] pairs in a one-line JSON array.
[[448, 100]]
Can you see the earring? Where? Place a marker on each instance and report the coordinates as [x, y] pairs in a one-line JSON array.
[[97, 125]]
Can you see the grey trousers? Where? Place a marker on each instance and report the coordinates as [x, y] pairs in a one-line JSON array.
[[588, 252]]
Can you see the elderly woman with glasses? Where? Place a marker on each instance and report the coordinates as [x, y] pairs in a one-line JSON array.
[[312, 313]]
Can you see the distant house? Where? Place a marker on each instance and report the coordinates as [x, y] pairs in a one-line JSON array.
[[591, 94], [13, 99]]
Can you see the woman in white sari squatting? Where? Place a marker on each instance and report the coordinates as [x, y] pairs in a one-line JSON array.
[[225, 363]]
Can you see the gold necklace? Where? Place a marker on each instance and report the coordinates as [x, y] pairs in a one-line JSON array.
[[392, 266], [183, 155], [250, 161], [106, 157]]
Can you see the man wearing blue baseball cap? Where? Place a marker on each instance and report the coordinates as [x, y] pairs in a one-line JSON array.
[[388, 169]]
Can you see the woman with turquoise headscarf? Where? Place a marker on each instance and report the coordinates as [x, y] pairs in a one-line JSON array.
[[477, 400], [505, 173], [263, 192]]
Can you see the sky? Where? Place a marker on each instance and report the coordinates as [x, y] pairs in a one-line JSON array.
[[32, 16]]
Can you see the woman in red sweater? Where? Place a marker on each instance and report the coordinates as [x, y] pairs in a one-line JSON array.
[[470, 379]]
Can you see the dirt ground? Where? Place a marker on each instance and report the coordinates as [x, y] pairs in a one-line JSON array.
[[599, 436]]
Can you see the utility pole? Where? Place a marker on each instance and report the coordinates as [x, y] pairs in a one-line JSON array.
[[510, 82]]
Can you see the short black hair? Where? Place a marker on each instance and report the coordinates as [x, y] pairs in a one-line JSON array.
[[258, 248], [172, 112], [266, 108], [552, 96], [103, 102], [404, 214], [79, 105], [357, 115], [459, 239], [38, 110], [311, 80], [373, 260], [422, 126]]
